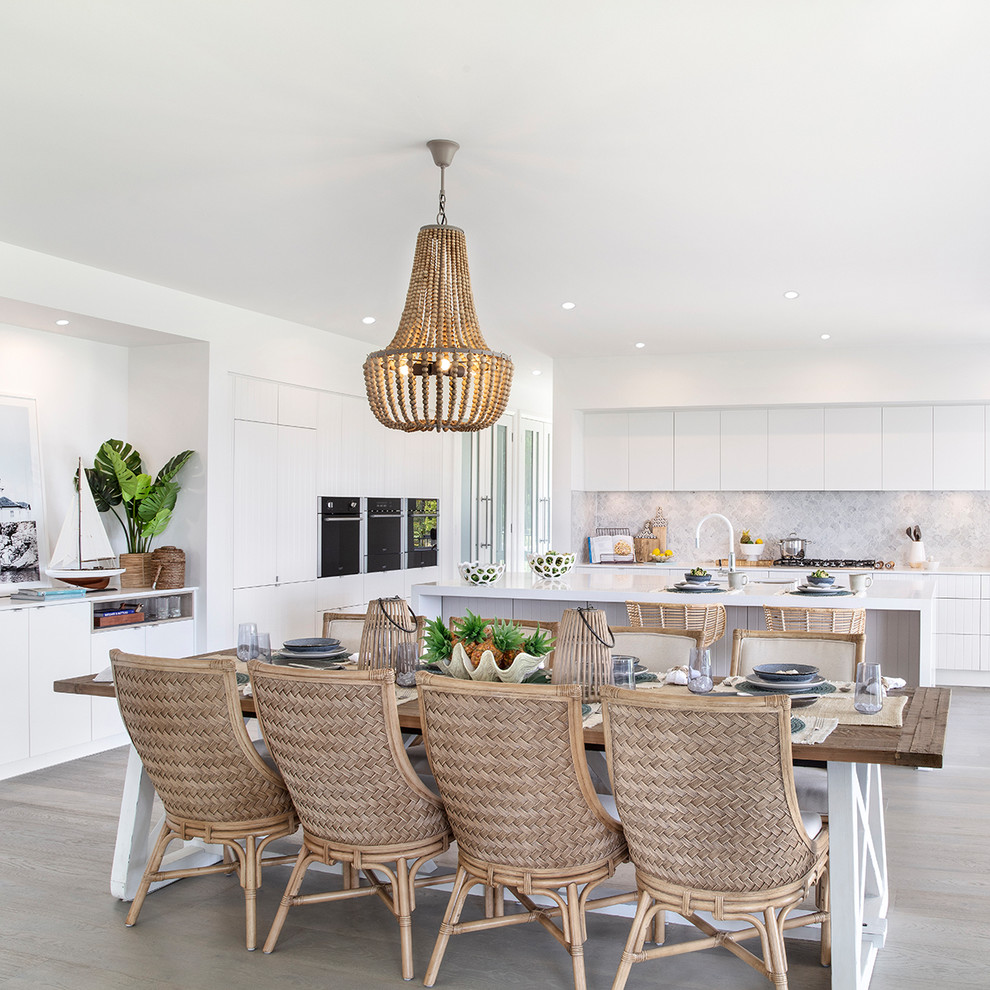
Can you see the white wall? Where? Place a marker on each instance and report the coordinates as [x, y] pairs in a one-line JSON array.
[[823, 375]]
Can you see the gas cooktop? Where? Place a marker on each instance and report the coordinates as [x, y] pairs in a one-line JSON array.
[[826, 562]]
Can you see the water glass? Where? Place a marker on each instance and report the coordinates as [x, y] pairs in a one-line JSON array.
[[406, 656], [869, 689], [174, 607], [153, 609], [247, 641], [624, 671], [263, 645], [700, 672]]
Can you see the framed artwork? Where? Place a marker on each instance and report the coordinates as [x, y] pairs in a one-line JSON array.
[[23, 543]]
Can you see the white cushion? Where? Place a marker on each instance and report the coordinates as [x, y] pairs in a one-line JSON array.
[[812, 823], [811, 784]]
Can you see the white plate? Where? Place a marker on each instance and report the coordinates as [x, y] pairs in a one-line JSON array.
[[787, 688], [684, 586], [314, 654]]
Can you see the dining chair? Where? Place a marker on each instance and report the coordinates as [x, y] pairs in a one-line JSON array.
[[508, 763], [345, 626], [335, 737], [710, 619], [184, 719], [835, 654], [657, 649], [840, 620], [718, 829]]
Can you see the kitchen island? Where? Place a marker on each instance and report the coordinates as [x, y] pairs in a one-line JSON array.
[[900, 614]]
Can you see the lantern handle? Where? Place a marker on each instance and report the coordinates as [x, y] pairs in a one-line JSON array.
[[590, 608]]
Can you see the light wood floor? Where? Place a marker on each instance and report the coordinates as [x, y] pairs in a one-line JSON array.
[[61, 928]]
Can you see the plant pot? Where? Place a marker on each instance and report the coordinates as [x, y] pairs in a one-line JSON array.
[[138, 571]]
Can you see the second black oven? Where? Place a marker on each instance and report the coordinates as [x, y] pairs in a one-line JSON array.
[[383, 519]]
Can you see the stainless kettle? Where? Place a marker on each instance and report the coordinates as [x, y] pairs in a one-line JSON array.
[[793, 546]]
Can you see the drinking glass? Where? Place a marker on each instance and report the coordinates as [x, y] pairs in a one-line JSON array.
[[700, 672], [263, 643], [869, 689], [624, 671], [174, 607], [405, 658], [247, 640]]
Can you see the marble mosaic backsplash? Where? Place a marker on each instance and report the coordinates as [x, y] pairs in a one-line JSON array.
[[955, 526]]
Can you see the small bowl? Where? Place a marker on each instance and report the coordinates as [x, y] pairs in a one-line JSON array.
[[697, 578], [551, 565], [751, 550], [820, 582], [781, 672], [475, 572]]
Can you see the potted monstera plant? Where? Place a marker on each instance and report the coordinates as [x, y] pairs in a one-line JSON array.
[[141, 504]]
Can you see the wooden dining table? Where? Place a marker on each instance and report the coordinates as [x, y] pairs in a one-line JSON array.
[[853, 754]]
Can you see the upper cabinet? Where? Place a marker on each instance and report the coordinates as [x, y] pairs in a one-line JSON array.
[[651, 451], [796, 449], [606, 452], [696, 450], [907, 439], [743, 453], [959, 448], [853, 448]]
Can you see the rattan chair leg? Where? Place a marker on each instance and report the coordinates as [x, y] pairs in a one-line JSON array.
[[776, 960], [165, 836], [291, 889], [250, 879], [823, 901], [577, 935], [634, 941], [403, 904], [462, 886]]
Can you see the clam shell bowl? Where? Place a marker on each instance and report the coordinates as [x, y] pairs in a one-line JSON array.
[[475, 572], [487, 670], [552, 565]]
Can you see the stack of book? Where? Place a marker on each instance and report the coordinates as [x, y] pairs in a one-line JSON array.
[[117, 614], [47, 594]]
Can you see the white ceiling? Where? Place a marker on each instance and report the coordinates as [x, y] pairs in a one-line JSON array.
[[670, 167]]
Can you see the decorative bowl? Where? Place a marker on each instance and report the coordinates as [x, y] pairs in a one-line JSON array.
[[786, 673], [697, 578], [751, 551], [475, 572], [550, 564], [820, 582]]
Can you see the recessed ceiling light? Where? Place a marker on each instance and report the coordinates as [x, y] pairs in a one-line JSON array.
[[568, 305], [537, 372], [641, 344], [61, 323], [791, 294], [369, 320], [826, 336]]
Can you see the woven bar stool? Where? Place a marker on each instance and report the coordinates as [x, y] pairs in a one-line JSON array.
[[184, 719], [717, 829], [839, 620], [710, 619], [335, 736], [522, 807]]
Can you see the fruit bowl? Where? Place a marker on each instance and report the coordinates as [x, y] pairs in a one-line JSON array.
[[550, 564], [751, 551], [475, 572]]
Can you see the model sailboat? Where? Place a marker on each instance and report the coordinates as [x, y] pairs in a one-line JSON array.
[[83, 555]]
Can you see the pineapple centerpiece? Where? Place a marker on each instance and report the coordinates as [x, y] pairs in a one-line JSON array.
[[485, 650]]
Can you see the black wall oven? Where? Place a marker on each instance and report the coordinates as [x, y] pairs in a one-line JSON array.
[[384, 534], [340, 536], [421, 532]]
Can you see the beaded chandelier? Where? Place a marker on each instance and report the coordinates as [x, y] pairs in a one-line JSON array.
[[438, 373]]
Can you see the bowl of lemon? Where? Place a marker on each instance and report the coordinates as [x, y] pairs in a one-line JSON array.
[[750, 548]]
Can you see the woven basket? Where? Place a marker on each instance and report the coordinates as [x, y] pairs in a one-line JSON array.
[[169, 564], [138, 571]]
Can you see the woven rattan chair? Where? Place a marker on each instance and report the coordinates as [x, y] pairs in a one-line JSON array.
[[335, 737], [184, 719], [657, 649], [840, 620], [345, 626], [836, 655], [522, 807], [710, 619], [718, 828]]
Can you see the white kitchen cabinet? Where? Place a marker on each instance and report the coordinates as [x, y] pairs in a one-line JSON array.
[[355, 440], [285, 611], [908, 448], [14, 726], [606, 451], [298, 406], [255, 497], [796, 449], [330, 477], [853, 448], [959, 448], [335, 594], [255, 399], [743, 460], [59, 646], [651, 451], [106, 720], [696, 450], [296, 515]]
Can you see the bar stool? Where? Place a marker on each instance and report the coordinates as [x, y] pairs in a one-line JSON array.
[[710, 619], [839, 620]]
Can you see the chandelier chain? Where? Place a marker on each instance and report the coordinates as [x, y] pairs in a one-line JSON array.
[[442, 215]]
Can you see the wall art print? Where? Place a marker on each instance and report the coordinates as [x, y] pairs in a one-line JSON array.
[[23, 547]]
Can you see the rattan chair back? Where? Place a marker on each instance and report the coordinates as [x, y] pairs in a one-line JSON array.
[[840, 620], [657, 649], [836, 655], [710, 619], [335, 737], [345, 626]]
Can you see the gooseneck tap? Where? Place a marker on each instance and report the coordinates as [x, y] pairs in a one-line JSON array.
[[732, 536]]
